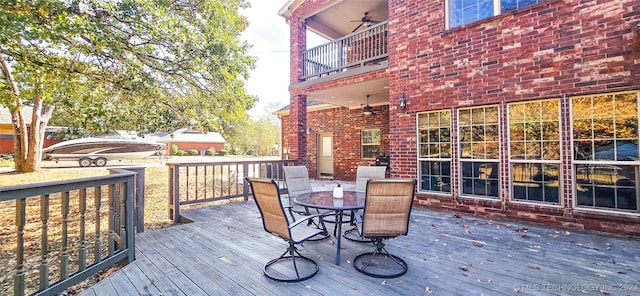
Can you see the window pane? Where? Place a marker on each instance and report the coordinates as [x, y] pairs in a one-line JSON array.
[[465, 134], [516, 113], [551, 150], [515, 4], [533, 150], [517, 150], [480, 179], [550, 130], [516, 131], [465, 150], [626, 127], [550, 110], [536, 182], [370, 151], [435, 176], [533, 131], [445, 150]]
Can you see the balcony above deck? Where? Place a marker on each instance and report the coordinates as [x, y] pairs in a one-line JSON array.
[[356, 53]]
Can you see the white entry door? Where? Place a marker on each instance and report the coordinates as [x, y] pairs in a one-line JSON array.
[[325, 155]]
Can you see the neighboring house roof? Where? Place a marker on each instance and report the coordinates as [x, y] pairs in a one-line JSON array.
[[186, 135], [311, 105]]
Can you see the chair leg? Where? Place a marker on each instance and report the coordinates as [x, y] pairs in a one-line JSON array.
[[380, 263], [291, 266]]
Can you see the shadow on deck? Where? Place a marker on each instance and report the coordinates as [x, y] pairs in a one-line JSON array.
[[224, 250]]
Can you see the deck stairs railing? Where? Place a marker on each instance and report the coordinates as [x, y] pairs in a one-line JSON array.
[[67, 231]]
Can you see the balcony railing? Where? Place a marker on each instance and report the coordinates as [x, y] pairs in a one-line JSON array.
[[353, 50]]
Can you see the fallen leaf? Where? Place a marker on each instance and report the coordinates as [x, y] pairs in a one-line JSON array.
[[534, 267], [524, 236], [308, 287], [530, 257], [399, 282], [477, 244], [456, 215], [464, 268]]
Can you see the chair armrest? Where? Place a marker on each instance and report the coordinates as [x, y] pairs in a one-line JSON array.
[[306, 218]]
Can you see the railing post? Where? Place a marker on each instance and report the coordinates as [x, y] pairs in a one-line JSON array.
[[174, 193], [245, 185], [19, 278], [129, 218], [139, 196]]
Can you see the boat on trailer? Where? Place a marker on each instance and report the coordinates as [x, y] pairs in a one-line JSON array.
[[98, 151]]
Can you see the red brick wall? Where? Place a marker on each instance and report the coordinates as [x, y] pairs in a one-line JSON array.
[[553, 49], [558, 48]]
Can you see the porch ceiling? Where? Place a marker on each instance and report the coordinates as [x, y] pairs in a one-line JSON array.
[[340, 18], [355, 95]]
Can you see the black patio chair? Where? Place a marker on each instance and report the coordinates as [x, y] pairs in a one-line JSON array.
[[386, 215], [290, 266]]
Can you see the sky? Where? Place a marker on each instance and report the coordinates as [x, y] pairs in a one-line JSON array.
[[269, 34]]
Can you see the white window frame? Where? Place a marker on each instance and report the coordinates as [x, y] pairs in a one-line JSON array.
[[576, 163], [461, 160], [362, 144], [537, 161], [432, 159]]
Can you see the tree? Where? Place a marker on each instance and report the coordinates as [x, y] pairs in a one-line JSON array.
[[133, 64]]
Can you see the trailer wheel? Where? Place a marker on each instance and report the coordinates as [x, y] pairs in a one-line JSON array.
[[100, 161], [85, 162]]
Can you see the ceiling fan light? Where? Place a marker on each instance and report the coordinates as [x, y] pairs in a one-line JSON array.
[[367, 112]]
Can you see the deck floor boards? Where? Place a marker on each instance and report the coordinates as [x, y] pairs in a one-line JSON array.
[[224, 250]]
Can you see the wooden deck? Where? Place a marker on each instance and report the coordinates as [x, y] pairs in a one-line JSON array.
[[224, 250]]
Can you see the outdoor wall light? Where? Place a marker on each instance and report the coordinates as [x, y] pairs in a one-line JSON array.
[[402, 102]]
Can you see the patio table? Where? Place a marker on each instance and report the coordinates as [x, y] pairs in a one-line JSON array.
[[324, 200]]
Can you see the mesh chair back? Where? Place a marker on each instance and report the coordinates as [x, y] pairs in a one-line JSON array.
[[364, 173], [297, 179], [387, 207], [267, 196]]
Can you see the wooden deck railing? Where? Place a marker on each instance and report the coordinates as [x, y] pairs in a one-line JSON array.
[[205, 182], [67, 231], [353, 50]]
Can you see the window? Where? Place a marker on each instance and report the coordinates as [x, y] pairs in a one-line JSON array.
[[434, 142], [534, 154], [467, 11], [479, 151], [605, 151], [370, 143]]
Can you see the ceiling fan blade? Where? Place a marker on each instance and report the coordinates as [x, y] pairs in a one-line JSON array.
[[358, 27]]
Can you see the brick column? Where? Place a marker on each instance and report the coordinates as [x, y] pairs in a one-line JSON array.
[[298, 102], [298, 129]]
